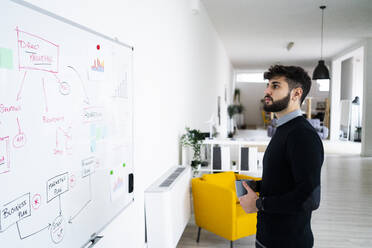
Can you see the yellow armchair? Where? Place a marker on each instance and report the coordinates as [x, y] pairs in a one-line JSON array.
[[217, 208]]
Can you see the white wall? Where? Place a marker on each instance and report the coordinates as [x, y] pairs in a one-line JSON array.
[[250, 97], [180, 67], [347, 79]]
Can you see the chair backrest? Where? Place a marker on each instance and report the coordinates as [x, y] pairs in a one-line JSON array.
[[223, 179]]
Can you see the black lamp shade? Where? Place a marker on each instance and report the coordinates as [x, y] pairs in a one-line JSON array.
[[356, 101], [321, 71]]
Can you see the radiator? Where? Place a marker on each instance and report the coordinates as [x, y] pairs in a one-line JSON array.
[[167, 208]]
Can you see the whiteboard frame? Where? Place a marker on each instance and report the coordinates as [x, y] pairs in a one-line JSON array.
[[69, 22]]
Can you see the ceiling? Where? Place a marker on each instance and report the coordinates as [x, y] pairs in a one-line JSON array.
[[255, 33]]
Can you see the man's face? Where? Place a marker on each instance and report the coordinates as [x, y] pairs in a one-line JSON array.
[[277, 95]]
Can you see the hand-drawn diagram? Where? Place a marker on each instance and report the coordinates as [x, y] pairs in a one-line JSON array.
[[36, 201], [63, 141], [64, 87], [20, 208], [86, 98], [56, 186], [86, 163], [45, 97], [4, 155], [20, 139], [47, 119], [57, 231], [92, 114], [15, 211], [10, 108], [72, 181], [21, 88], [36, 53], [50, 92], [88, 166], [29, 235]]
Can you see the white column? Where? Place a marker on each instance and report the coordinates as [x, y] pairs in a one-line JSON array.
[[367, 101], [335, 100]]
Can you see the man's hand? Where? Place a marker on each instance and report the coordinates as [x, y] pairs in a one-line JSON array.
[[248, 201]]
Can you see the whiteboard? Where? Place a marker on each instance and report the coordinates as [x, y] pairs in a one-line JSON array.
[[66, 129]]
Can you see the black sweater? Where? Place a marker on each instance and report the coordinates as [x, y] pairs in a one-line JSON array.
[[290, 186]]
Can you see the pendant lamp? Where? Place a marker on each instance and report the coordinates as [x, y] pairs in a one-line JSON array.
[[321, 71]]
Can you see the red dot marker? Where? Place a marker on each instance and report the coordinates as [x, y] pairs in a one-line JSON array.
[[98, 47]]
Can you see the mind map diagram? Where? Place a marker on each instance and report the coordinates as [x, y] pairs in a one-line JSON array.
[[38, 54]]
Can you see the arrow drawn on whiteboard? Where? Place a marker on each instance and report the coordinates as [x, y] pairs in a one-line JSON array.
[[60, 210], [20, 89], [58, 80], [85, 205], [19, 127], [45, 97], [86, 100], [19, 232]]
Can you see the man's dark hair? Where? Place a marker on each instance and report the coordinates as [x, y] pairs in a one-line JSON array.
[[295, 77]]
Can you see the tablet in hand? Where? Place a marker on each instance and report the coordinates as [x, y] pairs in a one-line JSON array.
[[240, 190]]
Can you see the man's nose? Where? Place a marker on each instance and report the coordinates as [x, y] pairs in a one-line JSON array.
[[267, 91]]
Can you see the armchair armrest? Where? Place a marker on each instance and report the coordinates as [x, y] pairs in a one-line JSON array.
[[214, 207], [240, 176]]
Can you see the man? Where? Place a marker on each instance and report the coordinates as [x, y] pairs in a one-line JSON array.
[[290, 188]]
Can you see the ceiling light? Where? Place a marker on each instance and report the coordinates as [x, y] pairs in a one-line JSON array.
[[321, 71]]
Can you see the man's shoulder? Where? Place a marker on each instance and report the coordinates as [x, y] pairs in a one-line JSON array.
[[298, 123], [302, 129]]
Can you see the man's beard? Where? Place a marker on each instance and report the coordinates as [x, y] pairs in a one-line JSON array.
[[278, 105]]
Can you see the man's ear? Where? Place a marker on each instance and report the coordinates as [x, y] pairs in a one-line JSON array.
[[297, 94]]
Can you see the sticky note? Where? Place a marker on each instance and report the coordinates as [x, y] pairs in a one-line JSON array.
[[98, 133], [111, 172], [6, 58], [124, 164]]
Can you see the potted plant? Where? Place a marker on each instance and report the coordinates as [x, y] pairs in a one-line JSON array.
[[233, 165], [239, 117], [231, 111], [193, 138], [237, 95]]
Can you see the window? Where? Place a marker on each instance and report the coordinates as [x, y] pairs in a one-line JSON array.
[[250, 77], [323, 84]]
